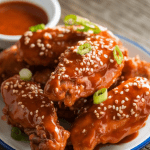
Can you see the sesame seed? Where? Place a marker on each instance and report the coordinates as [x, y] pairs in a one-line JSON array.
[[126, 90], [134, 104], [127, 116], [138, 96], [41, 53], [106, 56], [113, 106], [83, 131], [32, 45], [109, 106], [123, 101], [95, 111], [98, 108], [105, 108], [117, 108], [102, 112], [31, 113], [43, 117], [135, 84], [114, 117], [116, 101], [147, 93], [121, 92], [116, 91], [19, 103], [126, 99], [24, 95], [135, 100], [22, 106], [109, 97], [111, 60], [118, 115], [143, 99]]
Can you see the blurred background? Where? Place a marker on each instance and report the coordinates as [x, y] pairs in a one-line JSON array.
[[129, 18]]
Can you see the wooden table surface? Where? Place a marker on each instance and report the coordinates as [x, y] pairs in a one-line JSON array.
[[129, 18]]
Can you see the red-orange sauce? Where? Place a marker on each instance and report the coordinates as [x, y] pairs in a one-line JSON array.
[[16, 17], [129, 138]]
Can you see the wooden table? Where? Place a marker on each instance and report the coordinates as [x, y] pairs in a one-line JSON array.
[[129, 18]]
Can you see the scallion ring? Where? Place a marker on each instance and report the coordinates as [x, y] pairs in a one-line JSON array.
[[70, 19], [76, 20], [118, 58], [25, 74], [100, 96], [83, 49], [37, 27], [16, 134]]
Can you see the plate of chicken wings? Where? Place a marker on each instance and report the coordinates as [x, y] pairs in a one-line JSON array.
[[74, 87]]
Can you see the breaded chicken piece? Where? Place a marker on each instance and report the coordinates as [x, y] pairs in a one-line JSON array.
[[123, 113], [45, 46], [78, 76], [29, 109]]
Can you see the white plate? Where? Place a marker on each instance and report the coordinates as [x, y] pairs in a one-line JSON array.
[[144, 134]]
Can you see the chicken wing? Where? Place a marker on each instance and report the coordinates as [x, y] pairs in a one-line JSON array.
[[28, 108], [42, 76], [10, 64], [135, 67], [45, 46], [78, 76], [123, 113]]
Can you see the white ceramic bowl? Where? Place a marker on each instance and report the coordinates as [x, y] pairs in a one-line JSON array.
[[52, 9]]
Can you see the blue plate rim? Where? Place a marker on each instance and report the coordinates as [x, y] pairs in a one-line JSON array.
[[138, 147]]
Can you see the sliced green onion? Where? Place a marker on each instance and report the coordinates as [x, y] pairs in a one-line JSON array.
[[118, 58], [76, 20], [70, 19], [16, 134], [37, 27], [100, 96], [25, 74], [83, 49]]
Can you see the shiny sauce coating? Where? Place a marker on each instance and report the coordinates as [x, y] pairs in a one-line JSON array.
[[122, 114], [17, 17]]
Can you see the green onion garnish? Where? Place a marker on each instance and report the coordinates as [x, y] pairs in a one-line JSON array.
[[25, 74], [100, 96], [16, 134], [76, 20], [118, 58], [70, 20], [37, 27], [83, 49]]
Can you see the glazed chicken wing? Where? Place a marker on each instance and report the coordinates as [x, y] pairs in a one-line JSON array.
[[135, 67], [29, 109], [42, 76], [78, 76], [45, 46], [123, 113], [9, 63]]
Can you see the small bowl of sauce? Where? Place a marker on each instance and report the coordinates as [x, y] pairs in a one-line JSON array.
[[16, 16]]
